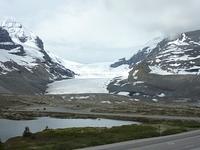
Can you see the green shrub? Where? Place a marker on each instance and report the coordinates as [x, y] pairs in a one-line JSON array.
[[173, 131], [1, 146]]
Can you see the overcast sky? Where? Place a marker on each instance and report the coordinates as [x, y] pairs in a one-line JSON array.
[[101, 30]]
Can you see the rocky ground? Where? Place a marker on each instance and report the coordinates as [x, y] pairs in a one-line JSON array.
[[91, 105]]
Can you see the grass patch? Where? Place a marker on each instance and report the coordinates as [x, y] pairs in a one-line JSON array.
[[72, 138], [174, 131], [184, 123], [1, 146]]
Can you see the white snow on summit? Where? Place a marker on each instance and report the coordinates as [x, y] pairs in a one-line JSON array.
[[19, 33], [32, 51]]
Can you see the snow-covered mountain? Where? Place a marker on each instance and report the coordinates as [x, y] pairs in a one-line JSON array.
[[25, 66], [170, 69]]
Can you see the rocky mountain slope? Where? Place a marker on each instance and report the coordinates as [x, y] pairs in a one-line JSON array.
[[25, 66], [168, 70]]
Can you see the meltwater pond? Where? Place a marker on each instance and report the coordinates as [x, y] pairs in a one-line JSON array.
[[12, 128]]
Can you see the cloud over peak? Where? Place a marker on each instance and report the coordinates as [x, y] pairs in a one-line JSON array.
[[102, 27]]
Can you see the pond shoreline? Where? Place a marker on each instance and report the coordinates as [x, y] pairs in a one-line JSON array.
[[13, 128]]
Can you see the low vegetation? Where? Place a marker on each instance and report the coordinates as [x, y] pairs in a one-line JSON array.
[[1, 146]]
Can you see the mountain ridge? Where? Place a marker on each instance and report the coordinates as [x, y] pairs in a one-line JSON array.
[[171, 69]]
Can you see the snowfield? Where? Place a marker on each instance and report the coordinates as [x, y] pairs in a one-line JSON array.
[[89, 78], [76, 86], [94, 70]]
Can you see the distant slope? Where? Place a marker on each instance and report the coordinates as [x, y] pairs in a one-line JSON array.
[[139, 56], [25, 66]]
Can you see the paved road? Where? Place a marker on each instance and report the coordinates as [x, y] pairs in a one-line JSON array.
[[184, 141]]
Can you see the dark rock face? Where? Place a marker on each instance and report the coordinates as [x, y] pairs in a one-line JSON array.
[[170, 70], [141, 55], [136, 58], [4, 36], [7, 43], [120, 62], [39, 43], [24, 82], [25, 69]]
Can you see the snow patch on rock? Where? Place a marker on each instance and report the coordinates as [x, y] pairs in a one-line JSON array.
[[106, 102]]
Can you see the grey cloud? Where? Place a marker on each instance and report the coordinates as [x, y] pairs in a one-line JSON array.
[[106, 28]]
